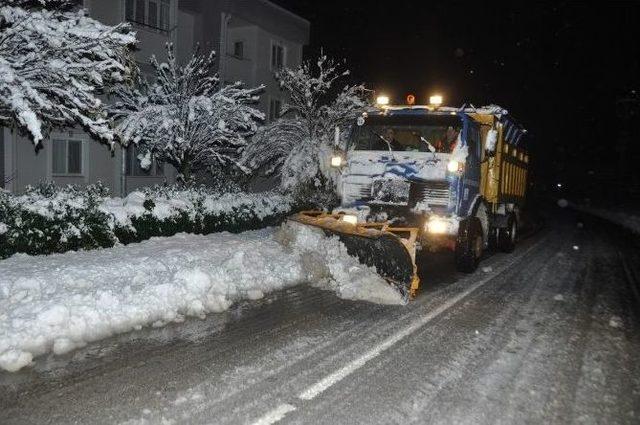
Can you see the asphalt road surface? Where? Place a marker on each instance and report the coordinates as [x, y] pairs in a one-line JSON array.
[[548, 334]]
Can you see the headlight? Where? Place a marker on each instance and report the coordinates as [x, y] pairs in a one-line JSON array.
[[382, 100], [437, 225], [336, 161], [454, 166], [351, 219]]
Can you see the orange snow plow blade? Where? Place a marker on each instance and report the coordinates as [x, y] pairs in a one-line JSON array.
[[391, 250]]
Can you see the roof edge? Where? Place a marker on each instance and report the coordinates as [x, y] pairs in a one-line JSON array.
[[286, 12]]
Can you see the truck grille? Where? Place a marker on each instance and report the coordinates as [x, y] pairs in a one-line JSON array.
[[357, 191], [391, 191], [435, 192]]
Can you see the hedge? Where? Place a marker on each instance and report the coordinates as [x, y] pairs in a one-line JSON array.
[[48, 219]]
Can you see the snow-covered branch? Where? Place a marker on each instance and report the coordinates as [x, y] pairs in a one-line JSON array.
[[297, 145], [54, 63], [186, 118]]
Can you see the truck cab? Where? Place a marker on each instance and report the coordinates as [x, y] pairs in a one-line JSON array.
[[441, 170]]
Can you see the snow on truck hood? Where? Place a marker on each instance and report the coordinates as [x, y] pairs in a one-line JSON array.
[[396, 165], [59, 302]]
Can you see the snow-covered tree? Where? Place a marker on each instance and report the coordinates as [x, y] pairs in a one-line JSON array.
[[54, 63], [297, 146], [187, 118]]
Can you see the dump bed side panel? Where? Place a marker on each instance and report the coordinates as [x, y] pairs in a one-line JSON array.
[[513, 160], [503, 175]]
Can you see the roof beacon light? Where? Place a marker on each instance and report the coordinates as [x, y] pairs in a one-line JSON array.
[[382, 100], [411, 100], [435, 100]]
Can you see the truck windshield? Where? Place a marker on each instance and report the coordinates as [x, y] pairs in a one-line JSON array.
[[380, 134]]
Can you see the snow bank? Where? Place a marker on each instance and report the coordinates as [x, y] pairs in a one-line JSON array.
[[625, 219], [63, 301]]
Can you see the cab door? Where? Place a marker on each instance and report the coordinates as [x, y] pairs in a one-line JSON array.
[[469, 184]]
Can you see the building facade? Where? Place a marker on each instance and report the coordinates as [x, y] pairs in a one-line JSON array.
[[251, 38]]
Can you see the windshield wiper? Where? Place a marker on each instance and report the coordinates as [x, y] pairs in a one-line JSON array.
[[388, 144], [384, 140], [431, 148]]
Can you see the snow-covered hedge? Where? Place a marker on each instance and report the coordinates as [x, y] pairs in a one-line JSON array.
[[48, 219]]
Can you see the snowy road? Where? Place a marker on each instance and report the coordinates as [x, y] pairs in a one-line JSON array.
[[550, 333]]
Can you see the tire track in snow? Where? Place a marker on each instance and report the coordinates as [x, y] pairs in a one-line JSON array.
[[330, 380]]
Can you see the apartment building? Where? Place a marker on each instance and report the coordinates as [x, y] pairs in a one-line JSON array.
[[252, 39]]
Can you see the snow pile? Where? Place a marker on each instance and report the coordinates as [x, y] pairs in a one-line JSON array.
[[328, 266], [63, 301]]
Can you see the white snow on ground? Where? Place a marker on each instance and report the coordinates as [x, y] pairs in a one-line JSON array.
[[616, 322], [59, 302], [625, 219]]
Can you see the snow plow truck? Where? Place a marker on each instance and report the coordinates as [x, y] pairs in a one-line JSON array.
[[427, 177]]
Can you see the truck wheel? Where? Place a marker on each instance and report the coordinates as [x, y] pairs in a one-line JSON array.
[[469, 245], [493, 238], [507, 235]]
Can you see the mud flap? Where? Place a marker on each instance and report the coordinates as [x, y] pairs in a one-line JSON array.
[[390, 250]]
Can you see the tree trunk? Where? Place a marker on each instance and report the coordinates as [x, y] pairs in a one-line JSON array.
[[184, 173]]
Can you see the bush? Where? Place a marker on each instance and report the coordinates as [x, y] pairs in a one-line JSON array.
[[48, 219]]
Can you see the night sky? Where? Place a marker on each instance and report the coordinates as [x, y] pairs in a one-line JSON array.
[[558, 66]]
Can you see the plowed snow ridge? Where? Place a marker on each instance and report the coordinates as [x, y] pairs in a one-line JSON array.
[[60, 302]]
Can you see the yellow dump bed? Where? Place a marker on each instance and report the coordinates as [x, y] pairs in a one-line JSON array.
[[504, 171]]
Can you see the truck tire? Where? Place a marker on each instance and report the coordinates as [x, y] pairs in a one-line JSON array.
[[469, 245], [507, 236], [493, 238]]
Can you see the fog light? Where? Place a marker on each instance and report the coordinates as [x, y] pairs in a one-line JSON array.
[[351, 219], [437, 225], [336, 161]]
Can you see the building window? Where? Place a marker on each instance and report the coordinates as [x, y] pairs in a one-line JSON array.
[[164, 14], [151, 13], [275, 106], [129, 15], [67, 157], [277, 56], [152, 19], [141, 13], [133, 167], [238, 49]]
